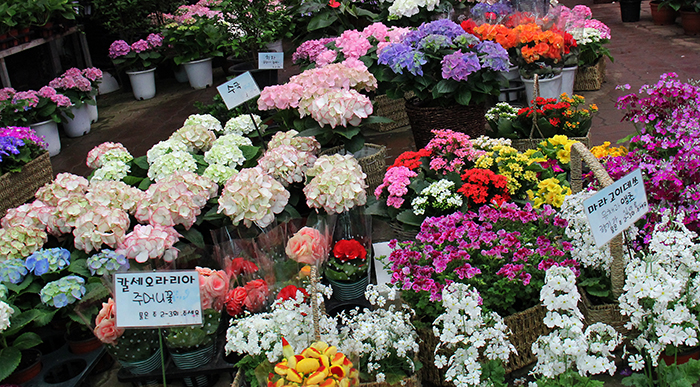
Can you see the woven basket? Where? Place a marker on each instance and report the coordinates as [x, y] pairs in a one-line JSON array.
[[372, 159], [19, 187], [590, 78], [389, 108], [400, 233], [606, 313], [429, 373], [468, 119], [525, 327], [406, 382]]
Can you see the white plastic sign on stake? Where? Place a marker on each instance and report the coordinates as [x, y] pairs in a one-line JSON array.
[[157, 299], [616, 207], [238, 90], [270, 60]]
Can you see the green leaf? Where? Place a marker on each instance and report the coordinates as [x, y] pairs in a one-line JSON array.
[[17, 322], [355, 144], [408, 217], [45, 316], [193, 235], [348, 133], [377, 120], [249, 152], [27, 340], [142, 162], [322, 20], [9, 358], [464, 97], [132, 180], [311, 132], [20, 286], [79, 267], [445, 86], [145, 184]]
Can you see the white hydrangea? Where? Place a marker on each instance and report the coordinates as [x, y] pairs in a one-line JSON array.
[[243, 124], [226, 151], [408, 8], [584, 249], [586, 35], [206, 120], [472, 333], [3, 292], [163, 148], [219, 173], [290, 137], [252, 196], [114, 170], [167, 164], [5, 312], [337, 184], [568, 345], [195, 137], [286, 164]]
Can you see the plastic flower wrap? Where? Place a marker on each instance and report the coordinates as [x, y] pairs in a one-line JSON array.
[[252, 196], [149, 242], [243, 124], [473, 336], [48, 260], [337, 184], [107, 262], [308, 246], [62, 292]]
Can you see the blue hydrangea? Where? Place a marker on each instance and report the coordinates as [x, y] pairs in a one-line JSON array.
[[434, 42], [48, 260], [107, 262], [13, 271], [9, 146], [500, 9], [493, 56], [399, 56], [459, 66], [444, 27], [63, 292]]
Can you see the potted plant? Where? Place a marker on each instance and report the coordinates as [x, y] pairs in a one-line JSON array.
[[451, 74], [80, 87], [7, 20], [540, 53], [139, 60], [48, 10], [16, 339], [591, 37]]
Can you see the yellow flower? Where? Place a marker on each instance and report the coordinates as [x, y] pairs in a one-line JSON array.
[[564, 156], [530, 176], [558, 139]]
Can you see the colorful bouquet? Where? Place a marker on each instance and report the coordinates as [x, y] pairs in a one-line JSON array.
[[18, 146], [195, 32], [141, 55], [442, 65], [78, 85], [540, 51], [591, 35], [31, 107]]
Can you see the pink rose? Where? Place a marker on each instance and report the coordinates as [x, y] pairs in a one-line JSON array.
[[107, 332], [235, 300], [257, 295], [306, 246], [106, 313]]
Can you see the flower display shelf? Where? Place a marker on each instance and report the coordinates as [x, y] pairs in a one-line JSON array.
[[605, 313], [211, 370], [390, 108], [16, 188], [590, 78], [62, 368], [372, 159]]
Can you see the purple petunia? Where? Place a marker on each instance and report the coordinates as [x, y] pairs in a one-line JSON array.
[[459, 66]]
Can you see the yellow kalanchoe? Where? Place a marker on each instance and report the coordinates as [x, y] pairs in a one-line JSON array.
[[604, 150], [319, 365]]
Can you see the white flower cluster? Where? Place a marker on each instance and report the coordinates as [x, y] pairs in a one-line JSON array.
[[163, 148], [252, 196], [568, 345], [584, 249], [226, 150], [262, 333], [337, 184], [587, 35], [408, 8], [286, 164], [502, 110], [5, 313], [170, 163], [243, 124], [206, 120], [114, 170], [660, 288], [304, 144], [473, 333], [487, 143], [380, 334], [195, 137], [219, 173], [439, 195]]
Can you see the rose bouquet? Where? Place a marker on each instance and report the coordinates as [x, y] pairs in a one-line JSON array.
[[442, 65], [78, 85], [195, 32], [141, 55], [31, 107], [18, 146]]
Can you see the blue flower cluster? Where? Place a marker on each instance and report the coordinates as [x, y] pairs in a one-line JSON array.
[[12, 271], [499, 9], [107, 262], [48, 260], [493, 55], [459, 66], [63, 292], [400, 56], [9, 146]]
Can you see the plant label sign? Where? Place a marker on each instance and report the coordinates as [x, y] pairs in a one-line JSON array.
[[616, 207], [238, 90], [270, 60], [157, 299]]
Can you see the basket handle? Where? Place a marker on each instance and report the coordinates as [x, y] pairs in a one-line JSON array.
[[581, 153]]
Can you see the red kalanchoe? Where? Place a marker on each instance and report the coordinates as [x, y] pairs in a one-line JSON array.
[[411, 160], [349, 249], [482, 186]]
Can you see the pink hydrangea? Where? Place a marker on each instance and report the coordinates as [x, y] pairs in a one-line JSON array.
[[114, 194], [353, 44], [310, 49], [29, 96], [47, 92], [155, 40], [337, 107], [35, 215], [396, 181], [140, 46], [286, 164], [280, 96], [93, 74], [149, 242], [93, 157], [378, 30], [100, 225], [325, 58], [581, 12], [63, 185], [252, 196], [600, 26], [6, 93]]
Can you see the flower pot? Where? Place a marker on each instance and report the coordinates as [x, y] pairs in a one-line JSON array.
[[199, 73], [79, 125], [180, 74], [514, 93], [143, 367], [28, 368], [94, 115], [49, 131], [682, 357], [81, 344], [568, 76], [143, 83], [630, 10], [690, 20], [662, 16], [548, 88], [512, 74], [459, 118], [192, 360], [346, 291]]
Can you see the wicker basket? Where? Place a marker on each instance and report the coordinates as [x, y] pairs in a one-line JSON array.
[[19, 187], [525, 327], [400, 233], [590, 78], [372, 159], [468, 119], [429, 373], [389, 108], [606, 313], [412, 381]]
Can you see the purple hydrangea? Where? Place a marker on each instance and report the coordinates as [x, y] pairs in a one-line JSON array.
[[459, 66], [118, 48], [493, 55], [444, 27], [399, 56], [155, 40], [140, 46], [9, 146], [434, 42]]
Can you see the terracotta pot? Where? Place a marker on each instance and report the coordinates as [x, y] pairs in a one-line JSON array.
[[81, 345], [690, 20], [662, 15], [28, 368], [682, 358]]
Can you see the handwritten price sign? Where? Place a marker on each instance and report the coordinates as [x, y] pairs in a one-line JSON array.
[[270, 60], [616, 207], [238, 90], [157, 299]]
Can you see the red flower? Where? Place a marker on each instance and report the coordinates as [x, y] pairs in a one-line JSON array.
[[290, 291], [257, 295], [334, 3], [234, 301], [349, 249], [240, 265], [411, 160], [468, 26]]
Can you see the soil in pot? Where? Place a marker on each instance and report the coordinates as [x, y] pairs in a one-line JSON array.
[[65, 371], [28, 367]]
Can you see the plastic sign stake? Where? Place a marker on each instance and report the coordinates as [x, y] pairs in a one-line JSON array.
[[238, 90], [616, 207], [270, 60], [157, 299]]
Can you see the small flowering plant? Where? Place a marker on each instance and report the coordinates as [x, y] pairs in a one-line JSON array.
[[502, 251], [195, 32], [31, 107], [141, 55], [539, 51], [591, 35], [348, 261], [18, 146], [444, 65], [78, 85]]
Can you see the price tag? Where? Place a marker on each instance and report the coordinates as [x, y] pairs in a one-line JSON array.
[[238, 90], [157, 299], [616, 207], [270, 60]]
